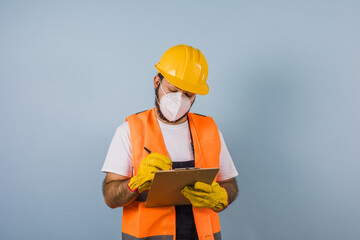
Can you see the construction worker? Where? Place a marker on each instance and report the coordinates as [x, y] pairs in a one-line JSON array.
[[176, 139]]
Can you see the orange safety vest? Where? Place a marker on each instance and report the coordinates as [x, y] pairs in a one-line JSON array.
[[159, 223]]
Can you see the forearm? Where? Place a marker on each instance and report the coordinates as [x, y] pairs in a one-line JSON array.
[[117, 194], [231, 188]]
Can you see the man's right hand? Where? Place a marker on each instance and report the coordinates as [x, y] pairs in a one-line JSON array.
[[149, 165]]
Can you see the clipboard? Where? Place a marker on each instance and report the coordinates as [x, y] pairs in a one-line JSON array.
[[167, 185]]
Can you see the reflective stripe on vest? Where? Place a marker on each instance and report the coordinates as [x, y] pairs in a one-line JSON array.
[[140, 222], [164, 237], [217, 236]]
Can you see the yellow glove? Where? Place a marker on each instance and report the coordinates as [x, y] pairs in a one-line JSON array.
[[208, 196], [145, 175]]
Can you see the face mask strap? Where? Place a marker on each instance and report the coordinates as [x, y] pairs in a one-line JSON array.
[[156, 94], [162, 89]]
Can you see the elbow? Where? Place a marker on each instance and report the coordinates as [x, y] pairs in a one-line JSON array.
[[110, 204]]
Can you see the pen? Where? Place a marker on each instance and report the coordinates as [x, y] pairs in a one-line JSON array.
[[147, 150]]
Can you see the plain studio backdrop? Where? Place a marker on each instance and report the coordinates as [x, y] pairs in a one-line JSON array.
[[284, 90]]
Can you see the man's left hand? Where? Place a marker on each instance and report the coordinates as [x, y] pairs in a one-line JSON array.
[[208, 196]]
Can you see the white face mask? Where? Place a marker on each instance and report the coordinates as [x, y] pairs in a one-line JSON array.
[[174, 105]]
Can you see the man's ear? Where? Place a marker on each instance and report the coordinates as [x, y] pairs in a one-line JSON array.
[[157, 81]]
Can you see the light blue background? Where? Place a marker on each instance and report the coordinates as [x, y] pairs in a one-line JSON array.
[[284, 90]]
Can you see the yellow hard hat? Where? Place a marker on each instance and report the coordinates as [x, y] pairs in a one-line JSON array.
[[185, 67]]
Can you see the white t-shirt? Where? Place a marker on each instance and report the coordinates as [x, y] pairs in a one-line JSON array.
[[178, 144]]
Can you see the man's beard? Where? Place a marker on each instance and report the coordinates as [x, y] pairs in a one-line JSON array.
[[160, 114]]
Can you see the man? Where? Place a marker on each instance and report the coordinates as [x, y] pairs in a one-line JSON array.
[[166, 137]]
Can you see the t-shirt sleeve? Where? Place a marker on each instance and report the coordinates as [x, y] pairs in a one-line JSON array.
[[227, 168], [118, 158]]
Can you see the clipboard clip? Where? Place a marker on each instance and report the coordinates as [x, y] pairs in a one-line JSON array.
[[186, 168]]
